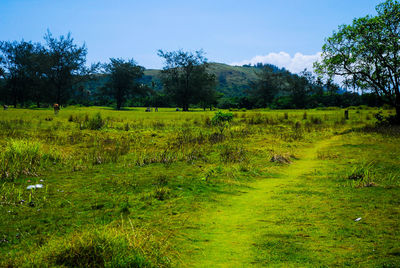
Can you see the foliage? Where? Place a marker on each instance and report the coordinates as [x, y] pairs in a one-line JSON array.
[[25, 71], [366, 53], [221, 120], [42, 73], [186, 79], [66, 61], [123, 80]]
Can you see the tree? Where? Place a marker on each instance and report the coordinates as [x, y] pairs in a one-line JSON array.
[[66, 61], [299, 91], [271, 82], [367, 53], [23, 63], [209, 96], [185, 77], [123, 79]]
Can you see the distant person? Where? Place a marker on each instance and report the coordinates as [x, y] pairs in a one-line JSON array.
[[56, 108], [156, 109], [5, 107], [177, 109], [148, 109]]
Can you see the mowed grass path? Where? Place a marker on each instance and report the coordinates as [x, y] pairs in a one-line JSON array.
[[228, 233], [294, 218]]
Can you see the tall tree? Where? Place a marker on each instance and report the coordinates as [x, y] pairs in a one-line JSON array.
[[209, 96], [66, 62], [271, 82], [185, 77], [367, 53], [299, 90], [23, 72], [123, 80]]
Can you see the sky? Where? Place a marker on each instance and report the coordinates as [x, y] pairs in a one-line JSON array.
[[287, 33]]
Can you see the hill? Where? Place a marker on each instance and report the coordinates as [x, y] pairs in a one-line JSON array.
[[232, 81]]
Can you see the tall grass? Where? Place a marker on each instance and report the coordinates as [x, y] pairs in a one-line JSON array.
[[103, 247], [22, 157]]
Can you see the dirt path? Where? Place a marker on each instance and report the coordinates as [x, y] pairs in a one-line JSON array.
[[226, 234]]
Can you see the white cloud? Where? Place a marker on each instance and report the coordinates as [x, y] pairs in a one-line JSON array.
[[294, 64]]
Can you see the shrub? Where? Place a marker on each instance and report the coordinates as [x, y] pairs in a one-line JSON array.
[[221, 120], [221, 117]]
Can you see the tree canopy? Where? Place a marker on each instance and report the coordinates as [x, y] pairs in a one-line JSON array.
[[123, 79], [42, 73], [67, 60], [185, 78], [367, 53]]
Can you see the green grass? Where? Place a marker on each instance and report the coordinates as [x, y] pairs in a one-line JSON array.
[[130, 188]]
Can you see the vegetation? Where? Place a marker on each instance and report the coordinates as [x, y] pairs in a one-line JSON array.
[[248, 186], [186, 80], [123, 76], [126, 188], [30, 78], [366, 53]]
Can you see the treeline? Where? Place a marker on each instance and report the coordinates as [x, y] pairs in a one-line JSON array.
[[37, 73], [277, 88], [56, 72]]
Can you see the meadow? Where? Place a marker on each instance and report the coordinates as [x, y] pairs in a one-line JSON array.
[[171, 189]]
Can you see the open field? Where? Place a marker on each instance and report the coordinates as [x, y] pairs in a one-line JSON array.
[[130, 188]]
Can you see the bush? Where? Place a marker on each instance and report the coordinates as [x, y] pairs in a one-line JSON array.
[[221, 120]]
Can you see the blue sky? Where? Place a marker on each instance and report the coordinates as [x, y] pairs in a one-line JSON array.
[[288, 33]]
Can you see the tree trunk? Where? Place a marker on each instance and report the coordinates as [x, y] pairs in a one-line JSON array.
[[58, 97]]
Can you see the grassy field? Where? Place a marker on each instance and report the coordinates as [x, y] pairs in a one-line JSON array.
[[135, 189]]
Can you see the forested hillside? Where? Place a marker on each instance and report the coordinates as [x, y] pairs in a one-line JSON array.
[[232, 81]]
